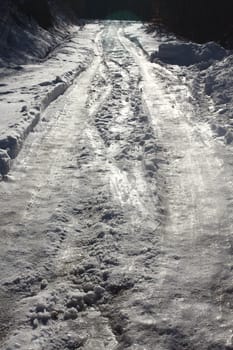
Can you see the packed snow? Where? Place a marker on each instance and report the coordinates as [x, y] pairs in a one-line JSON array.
[[117, 209]]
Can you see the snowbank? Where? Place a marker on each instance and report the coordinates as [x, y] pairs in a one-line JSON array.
[[218, 85], [186, 54], [5, 162], [25, 94], [170, 50], [205, 68], [24, 38], [13, 139], [219, 82], [41, 53]]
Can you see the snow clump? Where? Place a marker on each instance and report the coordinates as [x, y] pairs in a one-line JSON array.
[[5, 162]]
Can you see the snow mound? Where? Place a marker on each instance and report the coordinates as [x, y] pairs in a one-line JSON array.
[[186, 54], [31, 30], [23, 104], [219, 81], [4, 162], [218, 85]]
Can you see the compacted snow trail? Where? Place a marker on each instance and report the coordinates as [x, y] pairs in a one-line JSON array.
[[116, 217]]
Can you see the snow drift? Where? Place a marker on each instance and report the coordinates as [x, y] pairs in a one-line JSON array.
[[205, 68], [30, 31], [37, 64], [186, 54]]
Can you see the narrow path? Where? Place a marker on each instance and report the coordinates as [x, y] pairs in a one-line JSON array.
[[116, 220]]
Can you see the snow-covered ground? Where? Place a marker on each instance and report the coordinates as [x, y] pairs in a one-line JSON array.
[[24, 94], [206, 69], [116, 216]]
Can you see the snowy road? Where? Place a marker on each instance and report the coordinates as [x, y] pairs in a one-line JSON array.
[[117, 216]]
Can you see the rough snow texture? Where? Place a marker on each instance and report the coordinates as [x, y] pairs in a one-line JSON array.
[[170, 50], [23, 40], [186, 54], [213, 88], [206, 69], [23, 103], [117, 213], [56, 56]]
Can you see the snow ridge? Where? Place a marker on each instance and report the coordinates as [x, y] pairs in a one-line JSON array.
[[23, 106]]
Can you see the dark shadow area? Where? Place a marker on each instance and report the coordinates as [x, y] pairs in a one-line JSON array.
[[115, 10], [38, 10], [197, 20]]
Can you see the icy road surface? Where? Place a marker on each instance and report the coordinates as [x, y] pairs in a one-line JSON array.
[[116, 221]]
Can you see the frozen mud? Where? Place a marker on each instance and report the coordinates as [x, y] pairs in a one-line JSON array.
[[117, 212]]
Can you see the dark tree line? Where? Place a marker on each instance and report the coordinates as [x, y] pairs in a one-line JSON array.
[[114, 9], [89, 9], [198, 20]]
